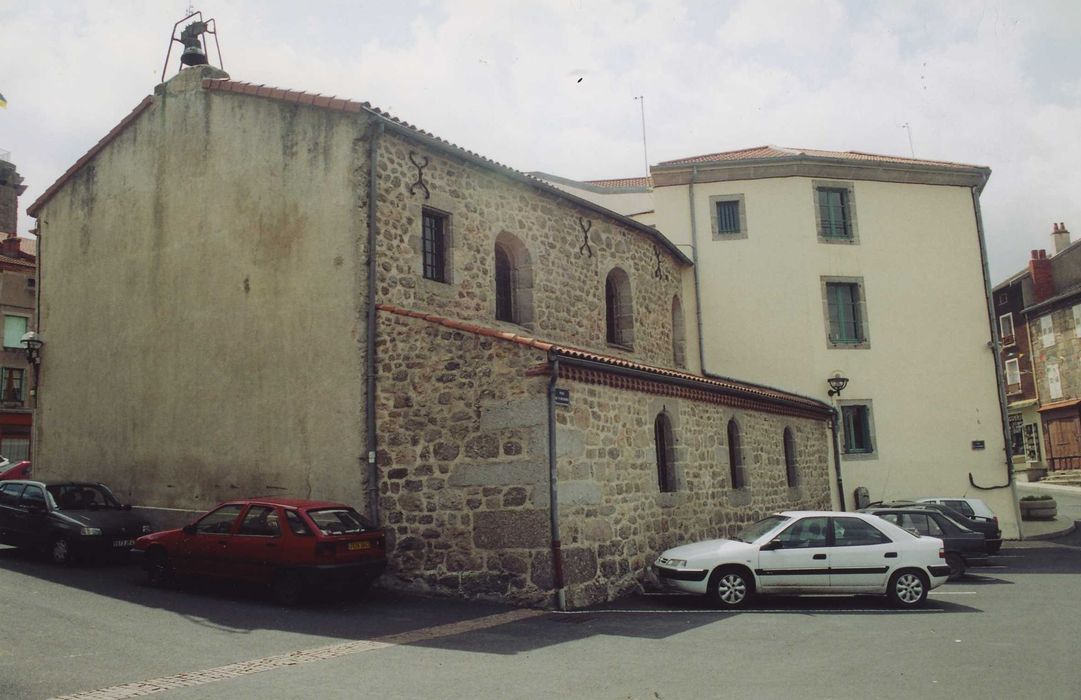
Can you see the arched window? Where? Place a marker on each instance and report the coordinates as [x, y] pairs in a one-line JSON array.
[[735, 454], [666, 468], [513, 280], [679, 341], [618, 308], [790, 457]]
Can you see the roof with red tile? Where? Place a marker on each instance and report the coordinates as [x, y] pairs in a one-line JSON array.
[[20, 262], [351, 106], [776, 152], [752, 392]]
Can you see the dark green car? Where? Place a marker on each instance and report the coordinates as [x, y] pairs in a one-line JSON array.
[[68, 520]]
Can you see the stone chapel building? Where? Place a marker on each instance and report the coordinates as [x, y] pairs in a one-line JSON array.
[[247, 290]]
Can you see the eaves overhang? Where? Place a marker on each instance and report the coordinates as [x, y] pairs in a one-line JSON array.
[[1044, 305], [809, 166]]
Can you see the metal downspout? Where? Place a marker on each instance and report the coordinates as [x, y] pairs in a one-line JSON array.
[[373, 198], [697, 280], [557, 549], [996, 351], [837, 458]]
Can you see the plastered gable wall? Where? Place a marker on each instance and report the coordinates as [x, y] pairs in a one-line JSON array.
[[201, 312], [568, 282]]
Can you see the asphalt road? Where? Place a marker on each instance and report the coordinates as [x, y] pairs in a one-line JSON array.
[[1002, 632]]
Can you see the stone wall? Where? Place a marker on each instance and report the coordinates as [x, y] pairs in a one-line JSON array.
[[567, 282], [464, 475], [614, 520]]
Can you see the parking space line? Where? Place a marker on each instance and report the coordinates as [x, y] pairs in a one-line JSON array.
[[740, 611], [295, 658]]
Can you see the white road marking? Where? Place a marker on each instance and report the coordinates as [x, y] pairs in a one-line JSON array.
[[741, 611], [295, 658], [952, 593]]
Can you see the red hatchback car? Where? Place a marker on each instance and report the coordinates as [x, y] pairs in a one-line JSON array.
[[290, 544]]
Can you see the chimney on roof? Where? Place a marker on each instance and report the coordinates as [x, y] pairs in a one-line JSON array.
[[1060, 236], [11, 186], [1039, 268]]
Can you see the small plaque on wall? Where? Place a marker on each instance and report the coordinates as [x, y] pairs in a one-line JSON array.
[[977, 444], [562, 397]]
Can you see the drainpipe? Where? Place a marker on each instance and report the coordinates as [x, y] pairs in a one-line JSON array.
[[373, 198], [996, 351], [557, 551], [837, 457], [697, 280]]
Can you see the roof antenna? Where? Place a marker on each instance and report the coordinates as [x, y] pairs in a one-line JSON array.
[[645, 154], [908, 128], [193, 54]]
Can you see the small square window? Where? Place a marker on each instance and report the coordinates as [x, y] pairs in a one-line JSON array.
[[434, 245], [728, 217]]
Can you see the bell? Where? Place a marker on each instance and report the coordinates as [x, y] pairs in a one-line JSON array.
[[193, 55]]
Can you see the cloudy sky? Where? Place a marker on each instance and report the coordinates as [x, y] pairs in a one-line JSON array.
[[550, 84]]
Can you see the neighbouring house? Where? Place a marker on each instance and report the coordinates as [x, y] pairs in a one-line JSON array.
[[813, 263], [1039, 312], [18, 295], [508, 393]]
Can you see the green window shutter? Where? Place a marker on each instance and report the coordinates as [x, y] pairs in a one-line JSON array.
[[833, 212], [14, 330], [843, 301], [728, 217]]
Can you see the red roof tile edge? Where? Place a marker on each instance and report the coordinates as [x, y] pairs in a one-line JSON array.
[[32, 210], [706, 383]]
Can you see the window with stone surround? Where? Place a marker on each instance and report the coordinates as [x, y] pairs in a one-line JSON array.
[[790, 458], [728, 217], [665, 445], [619, 309], [845, 308], [835, 212], [735, 455], [434, 235], [679, 339], [513, 280], [857, 426]]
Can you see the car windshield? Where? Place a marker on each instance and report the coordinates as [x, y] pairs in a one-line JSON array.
[[755, 530], [338, 521], [82, 497]]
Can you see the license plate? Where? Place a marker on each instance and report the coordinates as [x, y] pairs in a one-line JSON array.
[[123, 543], [360, 545]]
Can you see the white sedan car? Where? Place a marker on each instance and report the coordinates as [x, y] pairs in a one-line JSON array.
[[809, 552]]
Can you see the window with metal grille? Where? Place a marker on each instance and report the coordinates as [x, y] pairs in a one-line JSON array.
[[434, 245], [735, 455], [728, 217], [856, 420], [833, 210], [846, 324], [662, 438]]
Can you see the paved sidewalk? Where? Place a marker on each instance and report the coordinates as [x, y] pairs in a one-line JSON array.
[[1048, 529]]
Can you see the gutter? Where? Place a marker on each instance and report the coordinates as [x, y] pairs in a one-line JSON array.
[[553, 495], [369, 417]]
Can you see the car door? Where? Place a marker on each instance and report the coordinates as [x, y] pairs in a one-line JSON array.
[[797, 558], [31, 517], [9, 506], [256, 547], [204, 550], [861, 555]]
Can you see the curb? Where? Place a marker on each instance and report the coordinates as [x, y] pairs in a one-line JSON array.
[[1067, 528]]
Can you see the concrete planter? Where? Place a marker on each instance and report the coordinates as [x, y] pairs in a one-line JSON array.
[[1045, 509]]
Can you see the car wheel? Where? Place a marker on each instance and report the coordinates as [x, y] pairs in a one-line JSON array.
[[60, 551], [288, 588], [159, 570], [730, 587], [957, 565], [908, 588]]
